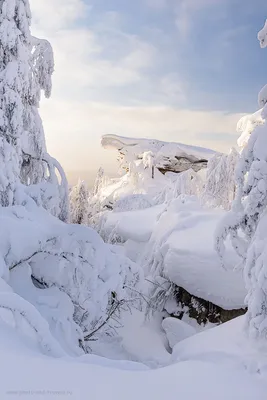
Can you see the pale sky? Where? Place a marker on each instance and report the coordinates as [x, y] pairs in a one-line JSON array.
[[175, 70]]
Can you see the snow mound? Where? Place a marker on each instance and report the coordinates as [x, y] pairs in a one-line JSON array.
[[130, 225], [84, 377], [181, 248], [177, 330], [227, 345], [133, 202]]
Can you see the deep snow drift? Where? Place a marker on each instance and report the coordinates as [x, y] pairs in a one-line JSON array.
[[218, 364]]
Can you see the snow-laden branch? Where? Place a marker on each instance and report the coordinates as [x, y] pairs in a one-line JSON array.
[[16, 304]]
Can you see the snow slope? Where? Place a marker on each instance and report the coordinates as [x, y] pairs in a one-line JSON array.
[[30, 375], [226, 345], [135, 225]]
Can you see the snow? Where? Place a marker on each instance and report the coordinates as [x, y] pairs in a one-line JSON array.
[[135, 182], [211, 374], [182, 247], [226, 345], [177, 330], [262, 36], [133, 202], [159, 148], [33, 243], [243, 223], [144, 340], [246, 125], [177, 240], [132, 225]]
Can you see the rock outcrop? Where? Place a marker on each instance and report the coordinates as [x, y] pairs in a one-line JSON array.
[[167, 156]]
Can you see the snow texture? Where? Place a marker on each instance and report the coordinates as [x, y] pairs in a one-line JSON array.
[[181, 249], [177, 330], [156, 154], [212, 357]]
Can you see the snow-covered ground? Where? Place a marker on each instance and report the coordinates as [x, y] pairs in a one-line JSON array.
[[214, 365]]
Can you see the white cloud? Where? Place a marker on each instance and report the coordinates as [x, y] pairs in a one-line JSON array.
[[49, 15], [186, 10], [80, 53], [80, 125], [173, 88], [105, 57]]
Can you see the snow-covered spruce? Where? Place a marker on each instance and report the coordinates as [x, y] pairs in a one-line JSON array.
[[246, 222], [15, 43], [79, 204], [26, 68], [220, 180]]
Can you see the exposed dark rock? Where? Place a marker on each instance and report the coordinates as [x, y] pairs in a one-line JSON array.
[[201, 310]]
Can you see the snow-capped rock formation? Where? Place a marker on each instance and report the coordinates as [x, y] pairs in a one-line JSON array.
[[165, 156]]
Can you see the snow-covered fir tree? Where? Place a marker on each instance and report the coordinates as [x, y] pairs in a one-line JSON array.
[[246, 223], [79, 204], [98, 181], [26, 66], [34, 147], [220, 181], [15, 42]]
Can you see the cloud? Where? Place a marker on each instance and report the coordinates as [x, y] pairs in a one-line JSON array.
[[90, 57], [79, 126], [172, 87], [97, 60], [57, 14], [187, 10]]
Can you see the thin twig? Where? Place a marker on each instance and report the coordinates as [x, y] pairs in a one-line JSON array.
[[112, 311]]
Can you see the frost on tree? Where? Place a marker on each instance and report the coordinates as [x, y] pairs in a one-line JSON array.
[[79, 204], [98, 181], [15, 43], [26, 66], [34, 147], [220, 181], [76, 282], [246, 223], [246, 126]]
